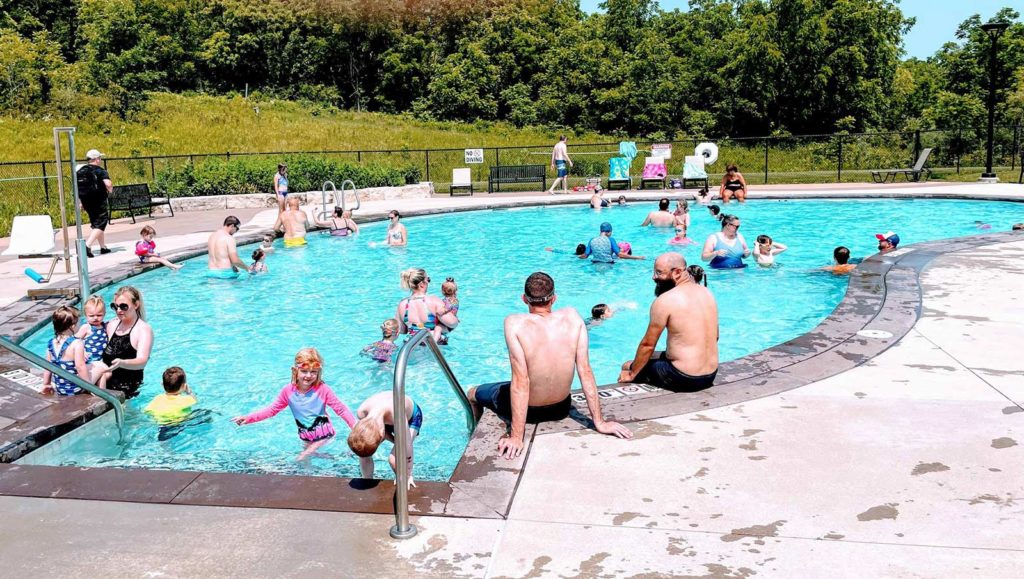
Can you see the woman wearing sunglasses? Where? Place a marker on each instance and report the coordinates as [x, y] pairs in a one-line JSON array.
[[129, 341]]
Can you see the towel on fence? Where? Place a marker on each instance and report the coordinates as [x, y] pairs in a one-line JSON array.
[[618, 168], [627, 149]]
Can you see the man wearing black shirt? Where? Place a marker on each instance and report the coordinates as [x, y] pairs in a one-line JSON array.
[[94, 185]]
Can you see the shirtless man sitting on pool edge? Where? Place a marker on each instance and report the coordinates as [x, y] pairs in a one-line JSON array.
[[545, 347]]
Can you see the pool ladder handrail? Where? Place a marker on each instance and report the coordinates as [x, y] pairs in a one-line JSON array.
[[402, 528], [324, 213], [33, 358]]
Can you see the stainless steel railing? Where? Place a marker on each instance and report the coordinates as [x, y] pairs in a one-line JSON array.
[[403, 529], [33, 358], [355, 194]]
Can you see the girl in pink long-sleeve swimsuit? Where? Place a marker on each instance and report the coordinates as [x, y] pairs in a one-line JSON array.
[[308, 398]]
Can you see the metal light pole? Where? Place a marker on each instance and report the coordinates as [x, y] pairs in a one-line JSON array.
[[994, 31]]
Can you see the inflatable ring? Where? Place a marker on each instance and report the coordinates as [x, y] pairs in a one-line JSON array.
[[708, 150]]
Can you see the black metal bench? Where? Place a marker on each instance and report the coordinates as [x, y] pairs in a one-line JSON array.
[[517, 174], [132, 198]]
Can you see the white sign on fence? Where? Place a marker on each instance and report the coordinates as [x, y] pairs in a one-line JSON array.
[[663, 150], [474, 156]]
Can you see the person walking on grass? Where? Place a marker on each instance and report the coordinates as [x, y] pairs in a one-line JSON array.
[[94, 187], [561, 162]]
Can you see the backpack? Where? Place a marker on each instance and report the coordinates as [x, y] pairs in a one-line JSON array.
[[89, 185]]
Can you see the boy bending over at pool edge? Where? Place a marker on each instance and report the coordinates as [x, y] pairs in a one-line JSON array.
[[376, 423]]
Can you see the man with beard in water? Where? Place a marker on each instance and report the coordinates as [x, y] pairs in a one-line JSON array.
[[690, 360]]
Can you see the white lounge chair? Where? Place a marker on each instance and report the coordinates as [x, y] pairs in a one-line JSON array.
[[693, 170], [461, 179], [910, 173], [33, 236]]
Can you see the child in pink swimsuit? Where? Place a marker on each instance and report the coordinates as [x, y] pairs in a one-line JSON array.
[[308, 398]]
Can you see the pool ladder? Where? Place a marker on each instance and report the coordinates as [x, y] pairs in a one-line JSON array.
[[41, 362], [346, 185], [403, 529]]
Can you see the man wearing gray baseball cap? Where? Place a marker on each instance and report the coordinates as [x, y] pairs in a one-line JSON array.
[[94, 186]]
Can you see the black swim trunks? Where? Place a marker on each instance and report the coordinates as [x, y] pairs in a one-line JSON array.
[[661, 373], [498, 397]]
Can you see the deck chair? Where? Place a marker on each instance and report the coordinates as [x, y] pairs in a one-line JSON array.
[[461, 179], [618, 173], [33, 236], [654, 172], [912, 174], [693, 170]]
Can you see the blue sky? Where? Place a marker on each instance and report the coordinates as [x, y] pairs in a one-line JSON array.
[[936, 19]]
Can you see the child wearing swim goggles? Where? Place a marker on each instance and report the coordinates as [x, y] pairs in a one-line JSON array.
[[308, 398], [382, 350]]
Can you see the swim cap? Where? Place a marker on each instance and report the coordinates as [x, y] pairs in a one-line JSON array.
[[625, 247], [606, 227]]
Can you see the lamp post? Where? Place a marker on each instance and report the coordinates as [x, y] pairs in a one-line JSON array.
[[994, 31]]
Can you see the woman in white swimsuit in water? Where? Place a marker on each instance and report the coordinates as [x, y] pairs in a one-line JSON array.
[[397, 235]]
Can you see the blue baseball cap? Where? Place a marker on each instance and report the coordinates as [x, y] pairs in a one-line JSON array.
[[606, 227]]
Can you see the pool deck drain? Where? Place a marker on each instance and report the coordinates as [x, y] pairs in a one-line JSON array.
[[903, 464]]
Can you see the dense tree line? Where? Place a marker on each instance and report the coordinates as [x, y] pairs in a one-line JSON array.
[[725, 67]]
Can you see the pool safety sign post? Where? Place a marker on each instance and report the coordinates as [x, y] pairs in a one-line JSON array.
[[663, 150], [474, 156]]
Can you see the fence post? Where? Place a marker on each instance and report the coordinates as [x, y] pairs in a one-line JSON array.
[[766, 160], [1013, 151], [359, 157], [427, 154], [229, 155], [46, 182], [152, 168], [917, 147], [959, 146], [839, 167]]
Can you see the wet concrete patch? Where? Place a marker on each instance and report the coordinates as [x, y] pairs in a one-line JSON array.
[[759, 531], [1003, 442], [886, 511], [927, 467]]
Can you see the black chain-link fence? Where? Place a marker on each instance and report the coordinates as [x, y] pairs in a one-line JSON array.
[[30, 187]]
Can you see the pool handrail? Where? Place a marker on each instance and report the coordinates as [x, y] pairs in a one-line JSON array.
[[355, 194], [33, 358], [402, 528], [324, 214]]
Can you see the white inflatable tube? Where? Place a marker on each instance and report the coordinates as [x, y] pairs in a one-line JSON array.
[[707, 150]]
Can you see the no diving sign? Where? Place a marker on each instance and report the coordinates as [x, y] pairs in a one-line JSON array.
[[474, 156]]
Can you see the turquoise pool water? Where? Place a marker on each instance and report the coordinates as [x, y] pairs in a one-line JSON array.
[[236, 340]]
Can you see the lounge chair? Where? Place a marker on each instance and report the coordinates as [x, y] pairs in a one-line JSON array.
[[32, 236], [912, 174], [693, 170], [618, 173], [654, 172], [461, 179]]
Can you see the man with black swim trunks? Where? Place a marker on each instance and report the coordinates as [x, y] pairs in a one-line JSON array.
[[545, 348], [690, 360]]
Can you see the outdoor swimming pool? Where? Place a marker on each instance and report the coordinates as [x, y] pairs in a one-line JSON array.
[[236, 339]]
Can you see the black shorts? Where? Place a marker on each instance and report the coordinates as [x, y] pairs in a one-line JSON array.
[[99, 216], [498, 397], [661, 373]]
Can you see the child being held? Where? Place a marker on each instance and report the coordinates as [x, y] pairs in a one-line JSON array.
[[766, 250], [382, 350], [377, 423], [66, 352], [93, 334], [842, 266], [259, 265], [146, 249], [450, 291], [308, 398]]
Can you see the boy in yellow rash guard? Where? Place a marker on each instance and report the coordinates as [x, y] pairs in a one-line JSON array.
[[176, 402]]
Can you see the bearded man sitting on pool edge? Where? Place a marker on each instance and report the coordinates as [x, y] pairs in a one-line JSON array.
[[545, 347]]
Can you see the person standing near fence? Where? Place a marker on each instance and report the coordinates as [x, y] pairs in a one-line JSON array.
[[561, 162], [94, 186], [281, 186]]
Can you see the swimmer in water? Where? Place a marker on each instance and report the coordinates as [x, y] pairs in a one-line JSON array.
[[680, 238], [268, 243], [383, 349], [842, 266], [982, 225], [598, 314], [341, 225], [1017, 227], [621, 201], [726, 249], [259, 264], [766, 250], [580, 249]]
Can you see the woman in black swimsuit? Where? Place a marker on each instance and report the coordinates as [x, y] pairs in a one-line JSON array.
[[733, 183], [129, 341]]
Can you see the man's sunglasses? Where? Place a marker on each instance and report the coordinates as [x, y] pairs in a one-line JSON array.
[[122, 307]]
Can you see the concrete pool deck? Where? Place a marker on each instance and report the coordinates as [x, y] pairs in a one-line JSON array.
[[906, 465]]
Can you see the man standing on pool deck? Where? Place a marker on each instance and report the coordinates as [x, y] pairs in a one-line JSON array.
[[94, 188], [544, 347], [690, 360], [223, 261], [561, 162]]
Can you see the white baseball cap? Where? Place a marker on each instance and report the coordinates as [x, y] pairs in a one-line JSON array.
[[94, 154]]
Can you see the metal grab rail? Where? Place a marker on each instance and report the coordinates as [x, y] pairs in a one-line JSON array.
[[323, 198], [355, 194], [402, 528], [38, 360]]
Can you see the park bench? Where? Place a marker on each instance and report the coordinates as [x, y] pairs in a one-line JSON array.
[[132, 198], [517, 174]]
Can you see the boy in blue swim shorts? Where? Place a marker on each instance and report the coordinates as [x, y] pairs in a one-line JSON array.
[[377, 422]]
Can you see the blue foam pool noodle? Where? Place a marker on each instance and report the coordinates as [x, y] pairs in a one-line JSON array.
[[34, 274]]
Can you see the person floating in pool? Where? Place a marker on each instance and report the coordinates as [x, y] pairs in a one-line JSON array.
[[660, 218], [376, 424], [545, 348], [222, 260], [887, 241], [982, 225], [842, 265], [603, 249], [308, 397], [383, 349], [689, 313], [580, 249], [598, 314], [765, 250], [726, 249], [294, 222]]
